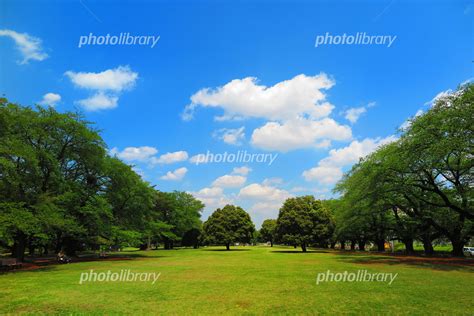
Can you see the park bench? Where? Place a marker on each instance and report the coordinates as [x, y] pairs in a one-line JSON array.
[[9, 264]]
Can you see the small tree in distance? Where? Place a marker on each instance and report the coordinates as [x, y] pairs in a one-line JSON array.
[[267, 232], [228, 225]]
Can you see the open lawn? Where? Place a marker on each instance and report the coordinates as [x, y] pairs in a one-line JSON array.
[[245, 280]]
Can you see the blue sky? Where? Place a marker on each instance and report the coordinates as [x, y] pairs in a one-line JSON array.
[[318, 109]]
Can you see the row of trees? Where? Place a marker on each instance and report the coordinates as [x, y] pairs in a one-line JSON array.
[[60, 190], [302, 221], [419, 187]]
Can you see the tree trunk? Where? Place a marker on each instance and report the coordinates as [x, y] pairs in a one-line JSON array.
[[31, 249], [380, 245], [19, 247], [343, 244], [409, 246], [227, 246], [303, 247], [457, 248], [271, 243], [361, 245], [353, 244], [294, 246], [428, 246]]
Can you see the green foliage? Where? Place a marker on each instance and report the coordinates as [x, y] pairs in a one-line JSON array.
[[60, 190], [268, 231], [304, 221], [228, 225], [420, 186]]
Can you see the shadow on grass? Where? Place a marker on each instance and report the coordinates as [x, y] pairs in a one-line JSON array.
[[442, 264]]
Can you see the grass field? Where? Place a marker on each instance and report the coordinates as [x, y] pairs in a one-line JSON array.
[[246, 280]]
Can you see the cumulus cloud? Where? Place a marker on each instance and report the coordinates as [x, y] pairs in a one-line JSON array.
[[296, 111], [107, 85], [266, 199], [169, 158], [353, 114], [229, 181], [232, 136], [50, 99], [262, 192], [299, 133], [117, 79], [175, 175], [213, 197], [285, 100], [29, 46], [143, 153], [329, 170], [99, 101], [241, 170], [271, 181]]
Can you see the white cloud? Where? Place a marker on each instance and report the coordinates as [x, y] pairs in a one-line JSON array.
[[143, 153], [99, 101], [266, 199], [212, 197], [324, 174], [299, 133], [108, 85], [262, 192], [175, 175], [236, 179], [285, 100], [169, 158], [232, 136], [229, 181], [117, 79], [241, 170], [353, 114], [296, 111], [329, 169], [263, 210], [271, 181], [50, 99], [29, 46]]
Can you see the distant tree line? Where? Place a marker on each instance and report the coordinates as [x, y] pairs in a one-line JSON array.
[[60, 190]]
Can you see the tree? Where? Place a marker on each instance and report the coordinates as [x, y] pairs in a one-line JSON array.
[[229, 225], [50, 172], [304, 221], [267, 232], [182, 212]]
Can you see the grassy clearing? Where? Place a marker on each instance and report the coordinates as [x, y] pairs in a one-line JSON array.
[[247, 280]]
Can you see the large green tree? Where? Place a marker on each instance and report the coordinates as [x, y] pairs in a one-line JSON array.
[[304, 221], [50, 172], [228, 225]]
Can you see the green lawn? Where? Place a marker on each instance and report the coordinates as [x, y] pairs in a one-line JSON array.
[[247, 280]]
